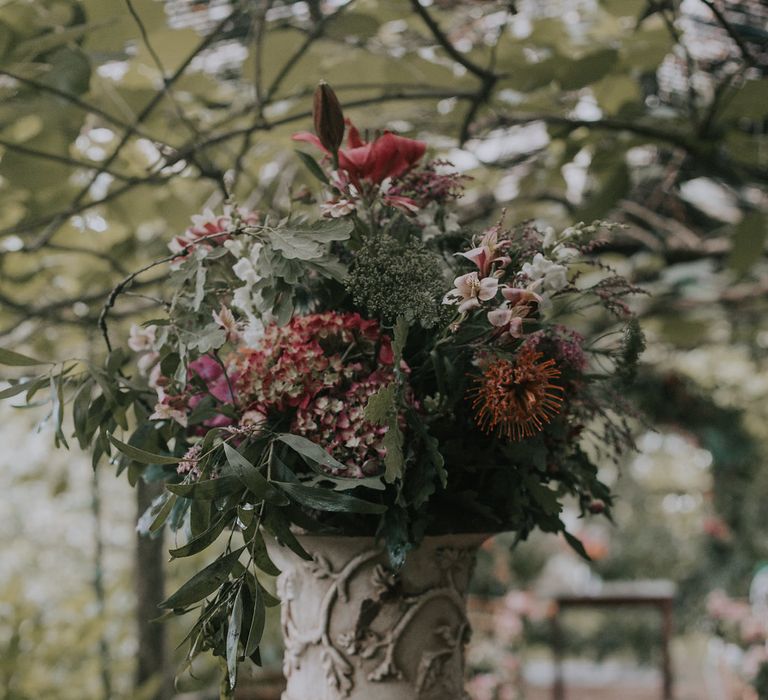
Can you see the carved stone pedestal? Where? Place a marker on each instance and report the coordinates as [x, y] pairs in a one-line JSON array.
[[355, 630]]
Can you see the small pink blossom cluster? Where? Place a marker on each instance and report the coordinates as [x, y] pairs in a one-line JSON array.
[[561, 343], [320, 370], [209, 230], [429, 184], [208, 374], [205, 378], [189, 463]]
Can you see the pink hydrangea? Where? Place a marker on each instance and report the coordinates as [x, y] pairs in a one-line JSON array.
[[325, 367], [318, 371], [337, 421], [295, 362]]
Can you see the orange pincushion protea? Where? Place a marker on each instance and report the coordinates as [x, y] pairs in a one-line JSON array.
[[517, 398]]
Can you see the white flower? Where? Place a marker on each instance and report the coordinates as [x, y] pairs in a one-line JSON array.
[[254, 419], [235, 246], [146, 362], [245, 271], [154, 381], [469, 290], [550, 237], [566, 254], [500, 317], [451, 222], [242, 299], [164, 411], [142, 339], [552, 276], [253, 332]]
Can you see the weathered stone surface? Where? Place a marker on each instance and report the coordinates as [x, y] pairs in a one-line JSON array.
[[356, 630]]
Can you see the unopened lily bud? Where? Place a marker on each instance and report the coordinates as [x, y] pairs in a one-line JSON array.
[[329, 119]]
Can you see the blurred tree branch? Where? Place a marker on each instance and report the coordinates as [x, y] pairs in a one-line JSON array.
[[276, 99]]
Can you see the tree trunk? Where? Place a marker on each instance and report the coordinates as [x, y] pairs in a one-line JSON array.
[[152, 667]]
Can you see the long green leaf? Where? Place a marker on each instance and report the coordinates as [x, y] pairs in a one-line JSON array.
[[315, 457], [313, 167], [233, 637], [208, 489], [142, 456], [246, 472], [576, 545], [203, 540], [204, 582], [256, 629], [20, 387], [276, 522], [325, 499], [163, 513], [261, 558], [16, 359], [310, 451], [80, 406], [155, 516]]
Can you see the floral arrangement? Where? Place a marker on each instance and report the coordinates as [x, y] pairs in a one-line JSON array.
[[324, 373]]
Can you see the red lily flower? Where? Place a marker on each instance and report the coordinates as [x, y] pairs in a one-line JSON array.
[[388, 155]]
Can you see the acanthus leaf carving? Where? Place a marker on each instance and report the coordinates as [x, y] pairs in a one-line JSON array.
[[439, 673], [338, 671]]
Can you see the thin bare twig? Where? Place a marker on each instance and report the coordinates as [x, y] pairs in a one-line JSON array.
[[317, 31], [82, 250], [488, 78], [450, 49], [725, 24], [56, 223], [120, 287], [698, 151], [79, 208], [65, 160], [77, 102], [682, 236], [183, 154]]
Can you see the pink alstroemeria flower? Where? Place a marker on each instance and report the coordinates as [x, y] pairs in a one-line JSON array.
[[506, 319], [486, 253], [469, 290], [519, 297], [519, 304]]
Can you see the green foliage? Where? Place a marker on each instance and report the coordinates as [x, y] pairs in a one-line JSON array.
[[382, 409]]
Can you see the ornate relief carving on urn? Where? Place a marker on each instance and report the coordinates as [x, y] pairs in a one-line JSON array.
[[355, 630]]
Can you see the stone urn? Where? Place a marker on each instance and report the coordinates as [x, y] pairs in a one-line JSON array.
[[356, 630]]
